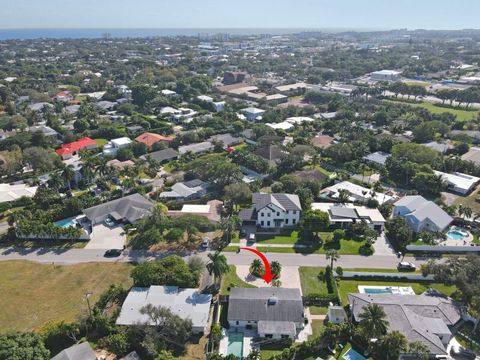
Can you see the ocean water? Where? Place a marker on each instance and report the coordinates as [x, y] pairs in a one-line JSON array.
[[26, 34]]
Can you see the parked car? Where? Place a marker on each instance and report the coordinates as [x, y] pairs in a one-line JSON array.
[[251, 237], [462, 353], [109, 222], [205, 242], [113, 253], [406, 266]]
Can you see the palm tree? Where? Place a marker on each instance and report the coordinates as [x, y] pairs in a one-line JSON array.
[[55, 182], [127, 184], [217, 265], [373, 321], [343, 196], [228, 225], [256, 268], [467, 212], [68, 175], [276, 269], [332, 255]]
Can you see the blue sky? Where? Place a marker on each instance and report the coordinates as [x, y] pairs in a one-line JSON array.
[[357, 14]]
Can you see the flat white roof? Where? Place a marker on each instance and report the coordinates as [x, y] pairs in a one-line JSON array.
[[299, 119], [386, 72], [459, 180], [186, 303], [121, 141], [358, 191], [283, 125], [201, 209], [13, 192], [373, 214]]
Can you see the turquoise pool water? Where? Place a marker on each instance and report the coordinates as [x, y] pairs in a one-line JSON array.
[[235, 344], [455, 235], [353, 355], [377, 291], [65, 223]]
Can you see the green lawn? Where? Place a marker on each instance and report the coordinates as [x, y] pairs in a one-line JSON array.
[[101, 141], [463, 115], [318, 310], [351, 286], [317, 328], [347, 247], [231, 279], [269, 348], [395, 271], [291, 238], [470, 201], [310, 282], [34, 294]]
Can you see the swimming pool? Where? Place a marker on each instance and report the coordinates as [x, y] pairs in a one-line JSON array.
[[65, 223], [353, 355], [235, 344], [456, 234], [395, 290]]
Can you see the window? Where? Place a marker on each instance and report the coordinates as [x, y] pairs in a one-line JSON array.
[[294, 221], [287, 211], [285, 336], [237, 322], [261, 214], [268, 214], [286, 221], [268, 223], [261, 223], [278, 213], [269, 336]]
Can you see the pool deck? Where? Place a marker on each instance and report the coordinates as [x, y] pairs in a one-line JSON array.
[[248, 336], [463, 242]]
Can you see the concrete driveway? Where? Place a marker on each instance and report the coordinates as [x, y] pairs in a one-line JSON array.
[[290, 277], [104, 237]]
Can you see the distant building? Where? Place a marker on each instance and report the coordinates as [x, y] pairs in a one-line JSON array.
[[233, 77], [149, 139], [273, 210], [112, 147], [346, 215], [378, 158], [9, 193], [276, 313], [162, 156], [187, 190], [82, 351], [185, 303], [71, 149], [198, 148], [322, 141], [336, 314], [439, 146], [356, 192], [385, 75], [45, 130], [473, 155], [292, 89], [421, 214], [252, 113]]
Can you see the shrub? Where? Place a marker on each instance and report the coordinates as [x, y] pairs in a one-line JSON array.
[[338, 235], [117, 344], [339, 270], [366, 249]]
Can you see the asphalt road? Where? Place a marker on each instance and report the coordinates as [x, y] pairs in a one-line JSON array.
[[75, 256]]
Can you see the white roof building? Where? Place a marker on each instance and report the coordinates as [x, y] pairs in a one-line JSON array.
[[10, 193], [186, 303], [283, 125], [458, 182], [357, 193]]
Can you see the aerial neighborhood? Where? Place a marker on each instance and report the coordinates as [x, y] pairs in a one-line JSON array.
[[225, 196]]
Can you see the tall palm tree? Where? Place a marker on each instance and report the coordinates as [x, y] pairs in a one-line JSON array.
[[343, 196], [55, 182], [467, 212], [256, 268], [68, 175], [332, 255], [228, 225], [373, 321], [217, 265]]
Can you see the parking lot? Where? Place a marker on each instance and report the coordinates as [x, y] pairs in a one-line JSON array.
[[104, 237]]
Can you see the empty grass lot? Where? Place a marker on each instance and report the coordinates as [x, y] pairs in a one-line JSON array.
[[312, 285], [34, 294]]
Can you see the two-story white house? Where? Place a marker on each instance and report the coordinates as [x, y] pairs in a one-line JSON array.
[[273, 210]]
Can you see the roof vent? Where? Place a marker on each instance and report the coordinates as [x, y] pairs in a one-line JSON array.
[[272, 300]]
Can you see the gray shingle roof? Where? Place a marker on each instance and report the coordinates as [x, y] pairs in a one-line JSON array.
[[132, 207], [418, 317], [277, 327], [253, 304], [378, 157], [81, 351], [343, 212], [272, 153], [289, 202], [162, 155], [422, 209]]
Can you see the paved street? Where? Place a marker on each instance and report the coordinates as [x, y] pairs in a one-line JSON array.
[[74, 256]]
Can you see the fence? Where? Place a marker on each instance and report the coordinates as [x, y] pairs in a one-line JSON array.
[[443, 249]]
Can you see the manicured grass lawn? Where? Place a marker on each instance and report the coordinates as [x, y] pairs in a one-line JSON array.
[[310, 281], [317, 328], [351, 286], [270, 348], [395, 271], [231, 279], [319, 168], [101, 141], [347, 247], [463, 115], [34, 294], [318, 310], [56, 244], [291, 238]]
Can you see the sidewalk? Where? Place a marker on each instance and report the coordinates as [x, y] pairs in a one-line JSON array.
[[243, 243]]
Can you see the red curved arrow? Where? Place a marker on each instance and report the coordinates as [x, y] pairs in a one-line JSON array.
[[268, 275]]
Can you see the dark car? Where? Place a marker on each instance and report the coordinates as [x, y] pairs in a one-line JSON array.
[[113, 252], [462, 353]]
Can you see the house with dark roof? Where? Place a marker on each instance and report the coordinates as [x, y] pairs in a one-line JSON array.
[[310, 175], [82, 351], [378, 158], [421, 214], [427, 318], [276, 313], [186, 190], [128, 209], [272, 210], [272, 153], [162, 156]]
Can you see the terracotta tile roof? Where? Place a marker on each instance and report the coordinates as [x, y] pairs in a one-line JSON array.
[[150, 138]]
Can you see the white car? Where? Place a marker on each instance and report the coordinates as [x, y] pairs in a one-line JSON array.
[[109, 222], [206, 242]]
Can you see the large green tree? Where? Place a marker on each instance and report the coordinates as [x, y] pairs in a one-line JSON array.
[[22, 346]]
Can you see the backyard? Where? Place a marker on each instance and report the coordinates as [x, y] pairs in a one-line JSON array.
[[462, 115], [34, 294]]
